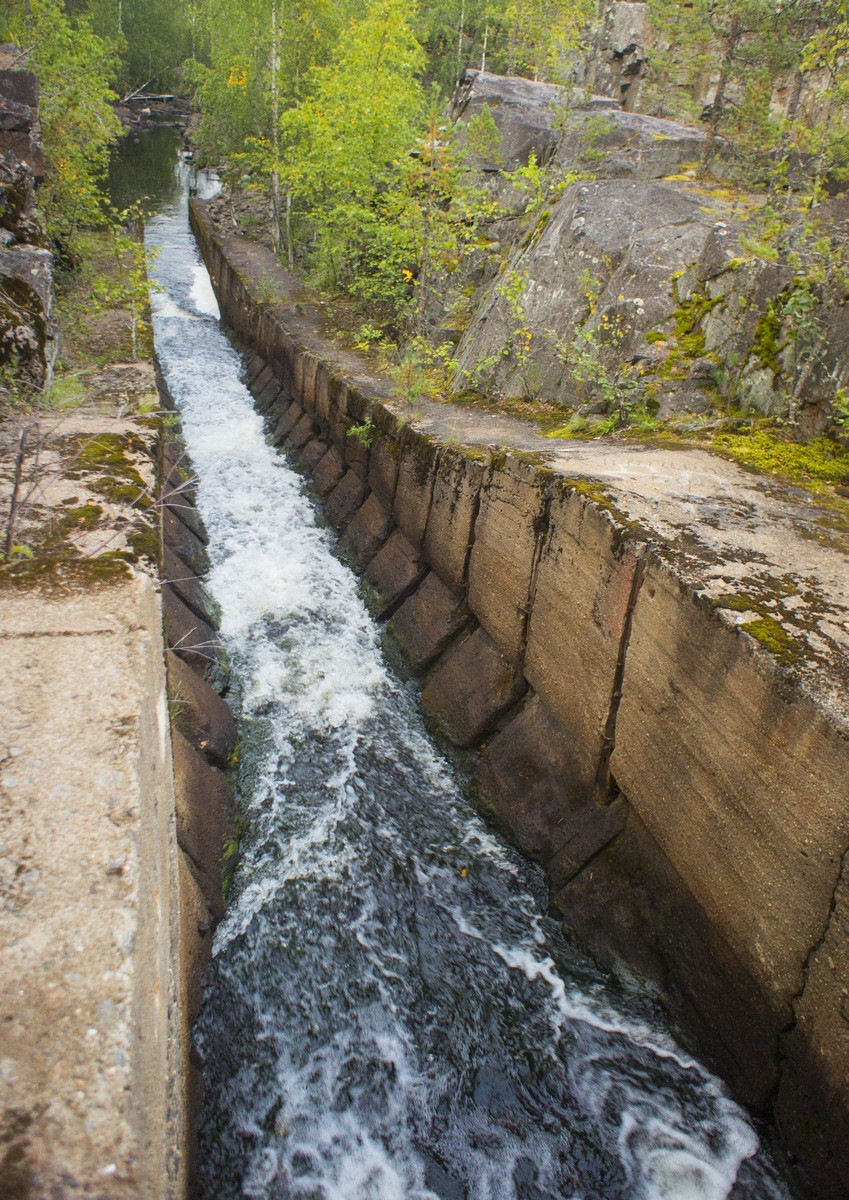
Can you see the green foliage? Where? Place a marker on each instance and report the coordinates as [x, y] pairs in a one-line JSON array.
[[74, 68], [768, 342], [127, 287], [363, 433], [532, 179], [341, 144], [747, 48], [534, 38], [840, 410], [152, 37], [482, 138], [512, 288], [772, 636], [541, 35]]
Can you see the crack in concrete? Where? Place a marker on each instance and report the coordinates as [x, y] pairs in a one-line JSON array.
[[12, 636], [542, 527], [476, 509], [817, 945], [605, 791]]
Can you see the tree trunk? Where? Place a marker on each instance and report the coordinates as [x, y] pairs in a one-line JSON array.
[[460, 34], [290, 249], [275, 132]]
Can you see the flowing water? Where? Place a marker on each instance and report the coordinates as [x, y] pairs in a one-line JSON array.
[[390, 1014]]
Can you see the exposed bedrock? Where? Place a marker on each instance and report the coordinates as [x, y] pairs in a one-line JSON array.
[[683, 787], [639, 278], [27, 335]]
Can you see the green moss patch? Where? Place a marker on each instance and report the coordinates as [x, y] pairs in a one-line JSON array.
[[63, 574], [768, 345], [815, 464], [772, 636]]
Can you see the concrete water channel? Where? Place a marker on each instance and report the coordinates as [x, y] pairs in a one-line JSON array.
[[392, 1012]]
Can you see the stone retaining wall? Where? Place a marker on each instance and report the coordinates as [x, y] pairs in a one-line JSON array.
[[686, 799]]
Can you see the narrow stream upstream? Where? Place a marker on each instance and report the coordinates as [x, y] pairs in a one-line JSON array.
[[391, 1015]]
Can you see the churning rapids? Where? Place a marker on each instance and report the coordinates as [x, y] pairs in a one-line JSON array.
[[390, 1014]]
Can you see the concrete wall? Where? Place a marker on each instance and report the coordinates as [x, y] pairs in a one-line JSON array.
[[687, 800], [93, 1050], [113, 816]]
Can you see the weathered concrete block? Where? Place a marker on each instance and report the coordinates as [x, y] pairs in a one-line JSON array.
[[278, 407], [199, 713], [204, 814], [176, 473], [262, 380], [302, 433], [89, 974], [524, 779], [307, 391], [345, 499], [581, 599], [338, 422], [394, 570], [266, 399], [428, 621], [254, 363], [629, 904], [286, 423], [356, 453], [448, 536], [471, 686], [196, 924], [383, 469], [506, 543], [322, 393], [367, 531], [185, 544], [413, 490], [590, 829], [281, 356], [190, 637], [310, 456], [182, 580], [298, 354], [327, 473], [740, 780]]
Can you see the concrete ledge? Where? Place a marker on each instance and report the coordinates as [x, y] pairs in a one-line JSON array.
[[94, 1047]]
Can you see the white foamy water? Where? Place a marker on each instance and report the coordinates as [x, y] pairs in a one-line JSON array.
[[391, 1014]]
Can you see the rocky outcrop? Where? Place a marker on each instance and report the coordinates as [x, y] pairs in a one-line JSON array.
[[527, 113], [680, 782], [620, 50], [640, 285], [622, 43], [601, 261], [27, 341]]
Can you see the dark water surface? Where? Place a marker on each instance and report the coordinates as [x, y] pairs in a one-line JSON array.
[[141, 169], [391, 1015]]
